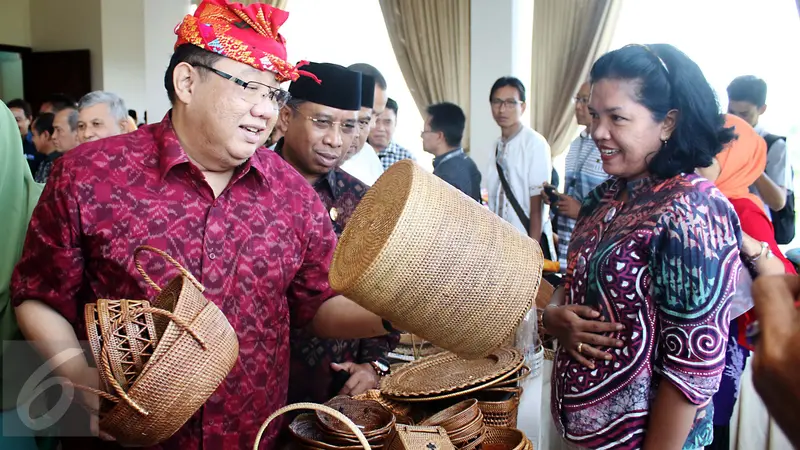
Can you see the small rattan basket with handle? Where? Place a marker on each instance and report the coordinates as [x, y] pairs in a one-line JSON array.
[[197, 348], [435, 263]]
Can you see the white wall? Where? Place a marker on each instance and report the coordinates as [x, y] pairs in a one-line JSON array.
[[123, 51], [501, 39], [15, 20], [160, 19], [69, 25]]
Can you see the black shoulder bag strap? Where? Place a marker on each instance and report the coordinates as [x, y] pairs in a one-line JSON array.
[[526, 222]]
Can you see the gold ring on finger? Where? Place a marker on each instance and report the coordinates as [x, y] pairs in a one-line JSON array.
[[580, 347]]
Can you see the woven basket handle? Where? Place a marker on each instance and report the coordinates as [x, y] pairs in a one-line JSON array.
[[317, 407], [523, 373], [170, 259]]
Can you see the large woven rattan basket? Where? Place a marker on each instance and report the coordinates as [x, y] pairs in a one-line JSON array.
[[434, 262]]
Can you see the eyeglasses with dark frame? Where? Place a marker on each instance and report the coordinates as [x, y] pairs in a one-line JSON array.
[[508, 103], [347, 127], [253, 91]]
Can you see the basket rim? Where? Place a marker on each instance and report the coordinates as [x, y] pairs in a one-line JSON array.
[[455, 394], [514, 361], [387, 237]]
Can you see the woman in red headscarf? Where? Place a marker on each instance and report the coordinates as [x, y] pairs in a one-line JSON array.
[[736, 168]]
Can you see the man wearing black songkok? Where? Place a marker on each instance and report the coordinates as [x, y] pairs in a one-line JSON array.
[[319, 125]]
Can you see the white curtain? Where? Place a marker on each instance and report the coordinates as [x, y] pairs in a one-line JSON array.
[[568, 37], [430, 39]]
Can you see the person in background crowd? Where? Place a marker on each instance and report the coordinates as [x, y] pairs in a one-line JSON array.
[[777, 354], [381, 138], [133, 115], [100, 115], [65, 129], [273, 138], [522, 157], [361, 161], [444, 130], [23, 116], [747, 98], [55, 103], [733, 172], [199, 186], [18, 196], [313, 144], [584, 172], [642, 318], [43, 138]]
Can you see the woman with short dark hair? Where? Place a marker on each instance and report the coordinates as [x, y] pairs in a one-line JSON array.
[[652, 264]]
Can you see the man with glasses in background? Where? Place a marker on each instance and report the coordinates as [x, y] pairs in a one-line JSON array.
[[583, 172], [361, 161], [520, 167], [199, 186], [318, 127]]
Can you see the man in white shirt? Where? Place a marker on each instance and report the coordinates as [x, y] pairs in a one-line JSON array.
[[523, 156], [361, 161]]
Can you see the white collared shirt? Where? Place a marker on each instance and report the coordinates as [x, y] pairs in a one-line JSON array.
[[364, 165], [779, 167], [526, 163]]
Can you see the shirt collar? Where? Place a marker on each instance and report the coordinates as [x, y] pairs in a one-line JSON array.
[[511, 138], [445, 156], [329, 179], [392, 148], [640, 186], [171, 153]]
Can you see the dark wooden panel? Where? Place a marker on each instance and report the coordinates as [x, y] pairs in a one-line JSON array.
[[64, 72]]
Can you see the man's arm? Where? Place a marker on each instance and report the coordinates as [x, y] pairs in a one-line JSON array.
[[772, 194], [535, 231], [342, 318], [54, 338]]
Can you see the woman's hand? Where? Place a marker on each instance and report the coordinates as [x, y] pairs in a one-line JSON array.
[[576, 327]]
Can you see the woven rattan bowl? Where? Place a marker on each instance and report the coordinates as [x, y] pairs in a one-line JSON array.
[[306, 431], [435, 263], [370, 417], [505, 439], [454, 417]]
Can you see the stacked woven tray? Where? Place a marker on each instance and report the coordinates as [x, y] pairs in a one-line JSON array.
[[463, 423], [445, 375], [322, 431], [430, 384]]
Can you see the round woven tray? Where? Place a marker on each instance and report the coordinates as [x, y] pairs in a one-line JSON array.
[[435, 263], [447, 373]]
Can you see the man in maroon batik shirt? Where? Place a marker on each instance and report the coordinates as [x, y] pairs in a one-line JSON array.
[[318, 126], [196, 185]]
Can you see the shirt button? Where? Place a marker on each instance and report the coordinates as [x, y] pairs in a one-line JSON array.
[[212, 256], [581, 263]]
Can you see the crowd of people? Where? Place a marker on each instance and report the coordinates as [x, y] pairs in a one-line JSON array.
[[666, 206]]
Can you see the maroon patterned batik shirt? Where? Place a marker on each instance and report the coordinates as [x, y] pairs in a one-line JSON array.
[[312, 379], [262, 249]]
